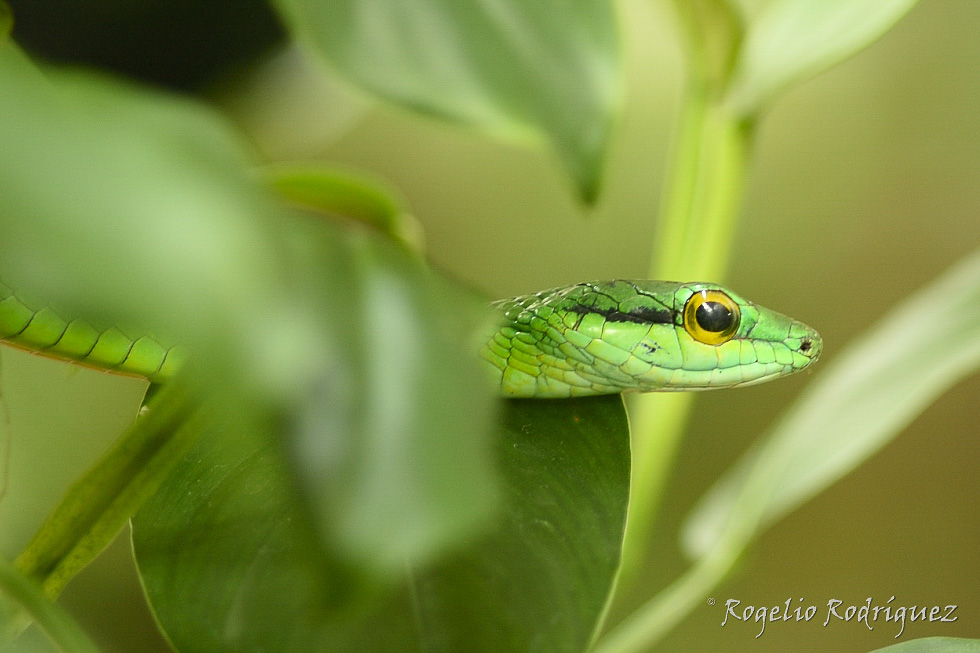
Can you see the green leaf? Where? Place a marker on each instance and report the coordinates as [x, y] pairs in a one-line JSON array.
[[137, 208], [340, 193], [539, 582], [545, 70], [791, 40], [391, 435], [859, 403], [388, 442], [229, 563], [934, 645]]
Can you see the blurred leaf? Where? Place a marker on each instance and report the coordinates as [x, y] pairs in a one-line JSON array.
[[228, 561], [137, 208], [6, 22], [934, 645], [391, 436], [791, 40], [542, 70], [860, 401], [713, 31], [334, 192]]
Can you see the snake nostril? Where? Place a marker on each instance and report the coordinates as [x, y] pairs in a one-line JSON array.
[[805, 346]]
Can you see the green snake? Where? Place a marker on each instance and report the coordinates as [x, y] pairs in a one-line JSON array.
[[641, 336], [585, 339]]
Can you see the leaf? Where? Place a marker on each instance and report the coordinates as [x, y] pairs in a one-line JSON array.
[[391, 436], [228, 561], [539, 582], [545, 70], [859, 403], [791, 40], [339, 193], [934, 645], [136, 208]]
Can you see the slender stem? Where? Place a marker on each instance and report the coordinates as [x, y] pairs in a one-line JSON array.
[[54, 620], [694, 246], [653, 620], [697, 223], [99, 504], [646, 625]]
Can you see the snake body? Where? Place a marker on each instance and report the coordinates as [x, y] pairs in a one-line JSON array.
[[38, 328], [585, 339]]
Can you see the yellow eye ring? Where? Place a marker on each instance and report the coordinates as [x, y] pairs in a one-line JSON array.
[[711, 317]]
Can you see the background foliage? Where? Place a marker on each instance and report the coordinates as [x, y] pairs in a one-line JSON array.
[[863, 189]]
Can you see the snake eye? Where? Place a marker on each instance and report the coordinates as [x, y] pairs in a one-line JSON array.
[[711, 317]]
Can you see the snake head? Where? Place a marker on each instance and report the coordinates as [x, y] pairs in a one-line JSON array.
[[640, 336], [728, 341]]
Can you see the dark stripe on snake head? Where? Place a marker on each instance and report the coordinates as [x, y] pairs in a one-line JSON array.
[[643, 314]]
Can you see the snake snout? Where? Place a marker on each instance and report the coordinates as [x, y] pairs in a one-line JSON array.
[[808, 343], [811, 347]]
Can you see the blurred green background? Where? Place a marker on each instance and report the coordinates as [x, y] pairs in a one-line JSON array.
[[863, 188]]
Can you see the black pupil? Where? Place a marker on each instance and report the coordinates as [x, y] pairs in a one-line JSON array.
[[713, 317]]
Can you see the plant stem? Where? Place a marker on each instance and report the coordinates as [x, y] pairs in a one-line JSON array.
[[651, 621], [55, 622], [694, 247], [696, 227], [99, 504]]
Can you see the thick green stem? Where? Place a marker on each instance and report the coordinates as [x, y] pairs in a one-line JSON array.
[[702, 205], [695, 243]]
